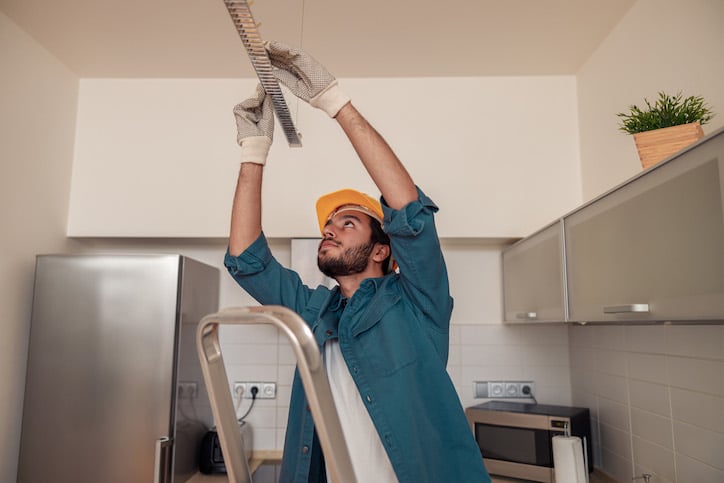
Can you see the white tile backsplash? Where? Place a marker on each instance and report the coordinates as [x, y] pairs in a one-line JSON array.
[[649, 397], [691, 470], [610, 362], [700, 444], [615, 440], [652, 427], [669, 420], [699, 409], [614, 387], [653, 459], [617, 466], [614, 413], [705, 342], [647, 367], [647, 339], [494, 352], [696, 374]]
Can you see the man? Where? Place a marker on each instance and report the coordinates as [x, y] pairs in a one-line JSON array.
[[383, 333]]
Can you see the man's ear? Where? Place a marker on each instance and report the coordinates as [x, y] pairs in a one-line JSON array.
[[381, 252]]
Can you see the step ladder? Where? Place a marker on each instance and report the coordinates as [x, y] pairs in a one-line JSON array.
[[314, 380]]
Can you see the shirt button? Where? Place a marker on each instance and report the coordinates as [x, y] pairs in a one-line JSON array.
[[329, 332], [355, 369], [305, 449], [369, 398]]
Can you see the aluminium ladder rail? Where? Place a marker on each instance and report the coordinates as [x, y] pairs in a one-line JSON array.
[[314, 380]]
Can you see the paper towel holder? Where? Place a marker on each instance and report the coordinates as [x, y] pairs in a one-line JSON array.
[[567, 434], [645, 476]]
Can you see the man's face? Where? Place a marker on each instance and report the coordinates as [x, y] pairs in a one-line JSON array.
[[347, 244]]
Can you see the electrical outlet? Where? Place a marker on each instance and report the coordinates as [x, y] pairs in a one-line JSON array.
[[512, 389], [268, 390], [188, 390], [504, 389], [265, 390], [496, 389], [527, 389]]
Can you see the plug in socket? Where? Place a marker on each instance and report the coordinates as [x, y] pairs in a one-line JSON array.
[[265, 390], [504, 389], [512, 389], [188, 390], [496, 389]]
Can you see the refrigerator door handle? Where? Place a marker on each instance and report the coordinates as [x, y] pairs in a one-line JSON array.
[[162, 464]]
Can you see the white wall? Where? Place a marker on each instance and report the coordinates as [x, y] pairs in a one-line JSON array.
[[660, 45], [38, 96], [165, 150]]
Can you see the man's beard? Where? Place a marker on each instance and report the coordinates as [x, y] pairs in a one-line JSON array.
[[353, 260]]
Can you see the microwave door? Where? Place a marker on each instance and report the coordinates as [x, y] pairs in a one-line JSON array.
[[528, 446]]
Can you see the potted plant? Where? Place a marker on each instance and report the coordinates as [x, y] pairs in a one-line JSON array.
[[666, 127]]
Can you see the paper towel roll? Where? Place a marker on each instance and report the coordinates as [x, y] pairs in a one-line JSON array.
[[568, 460]]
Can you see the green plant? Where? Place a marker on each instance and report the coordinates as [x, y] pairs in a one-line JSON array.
[[667, 111]]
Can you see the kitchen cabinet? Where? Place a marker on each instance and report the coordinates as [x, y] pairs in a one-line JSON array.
[[533, 284], [652, 249]]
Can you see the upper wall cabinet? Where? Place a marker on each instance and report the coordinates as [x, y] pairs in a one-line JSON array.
[[533, 288], [653, 248]]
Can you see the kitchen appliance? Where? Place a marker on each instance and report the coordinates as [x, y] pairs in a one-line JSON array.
[[114, 390], [211, 459], [516, 439]]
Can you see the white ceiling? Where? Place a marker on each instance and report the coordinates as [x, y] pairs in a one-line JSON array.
[[371, 38]]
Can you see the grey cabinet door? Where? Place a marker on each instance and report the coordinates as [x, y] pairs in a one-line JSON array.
[[533, 287], [652, 249]]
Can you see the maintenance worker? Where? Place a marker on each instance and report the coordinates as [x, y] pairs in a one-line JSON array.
[[383, 332]]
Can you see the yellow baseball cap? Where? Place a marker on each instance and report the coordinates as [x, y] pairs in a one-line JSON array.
[[346, 199]]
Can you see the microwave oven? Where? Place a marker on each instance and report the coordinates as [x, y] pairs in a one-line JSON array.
[[516, 439]]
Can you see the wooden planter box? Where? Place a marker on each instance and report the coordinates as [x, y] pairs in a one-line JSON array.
[[659, 144]]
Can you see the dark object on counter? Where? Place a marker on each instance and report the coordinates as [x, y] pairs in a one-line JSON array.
[[211, 461], [211, 458]]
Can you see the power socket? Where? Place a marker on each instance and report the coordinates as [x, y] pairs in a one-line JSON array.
[[188, 390], [265, 390], [504, 389]]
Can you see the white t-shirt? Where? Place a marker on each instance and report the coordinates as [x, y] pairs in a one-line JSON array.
[[369, 458]]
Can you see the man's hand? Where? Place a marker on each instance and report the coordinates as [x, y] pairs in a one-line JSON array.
[[255, 127], [306, 78]]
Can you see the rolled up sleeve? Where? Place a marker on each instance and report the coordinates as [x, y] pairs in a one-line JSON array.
[[253, 260]]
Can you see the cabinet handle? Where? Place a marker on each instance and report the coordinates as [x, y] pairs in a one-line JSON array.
[[527, 315], [162, 465], [626, 309]]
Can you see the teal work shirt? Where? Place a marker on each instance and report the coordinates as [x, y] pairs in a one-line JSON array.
[[393, 334]]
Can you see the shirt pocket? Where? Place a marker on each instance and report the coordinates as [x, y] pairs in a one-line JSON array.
[[386, 340]]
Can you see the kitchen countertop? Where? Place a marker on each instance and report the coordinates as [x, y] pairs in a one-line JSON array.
[[595, 477], [259, 458]]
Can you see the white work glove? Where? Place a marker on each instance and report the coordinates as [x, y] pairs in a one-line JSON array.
[[306, 78], [255, 127]]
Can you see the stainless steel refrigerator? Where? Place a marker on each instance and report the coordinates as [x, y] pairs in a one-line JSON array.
[[114, 391]]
